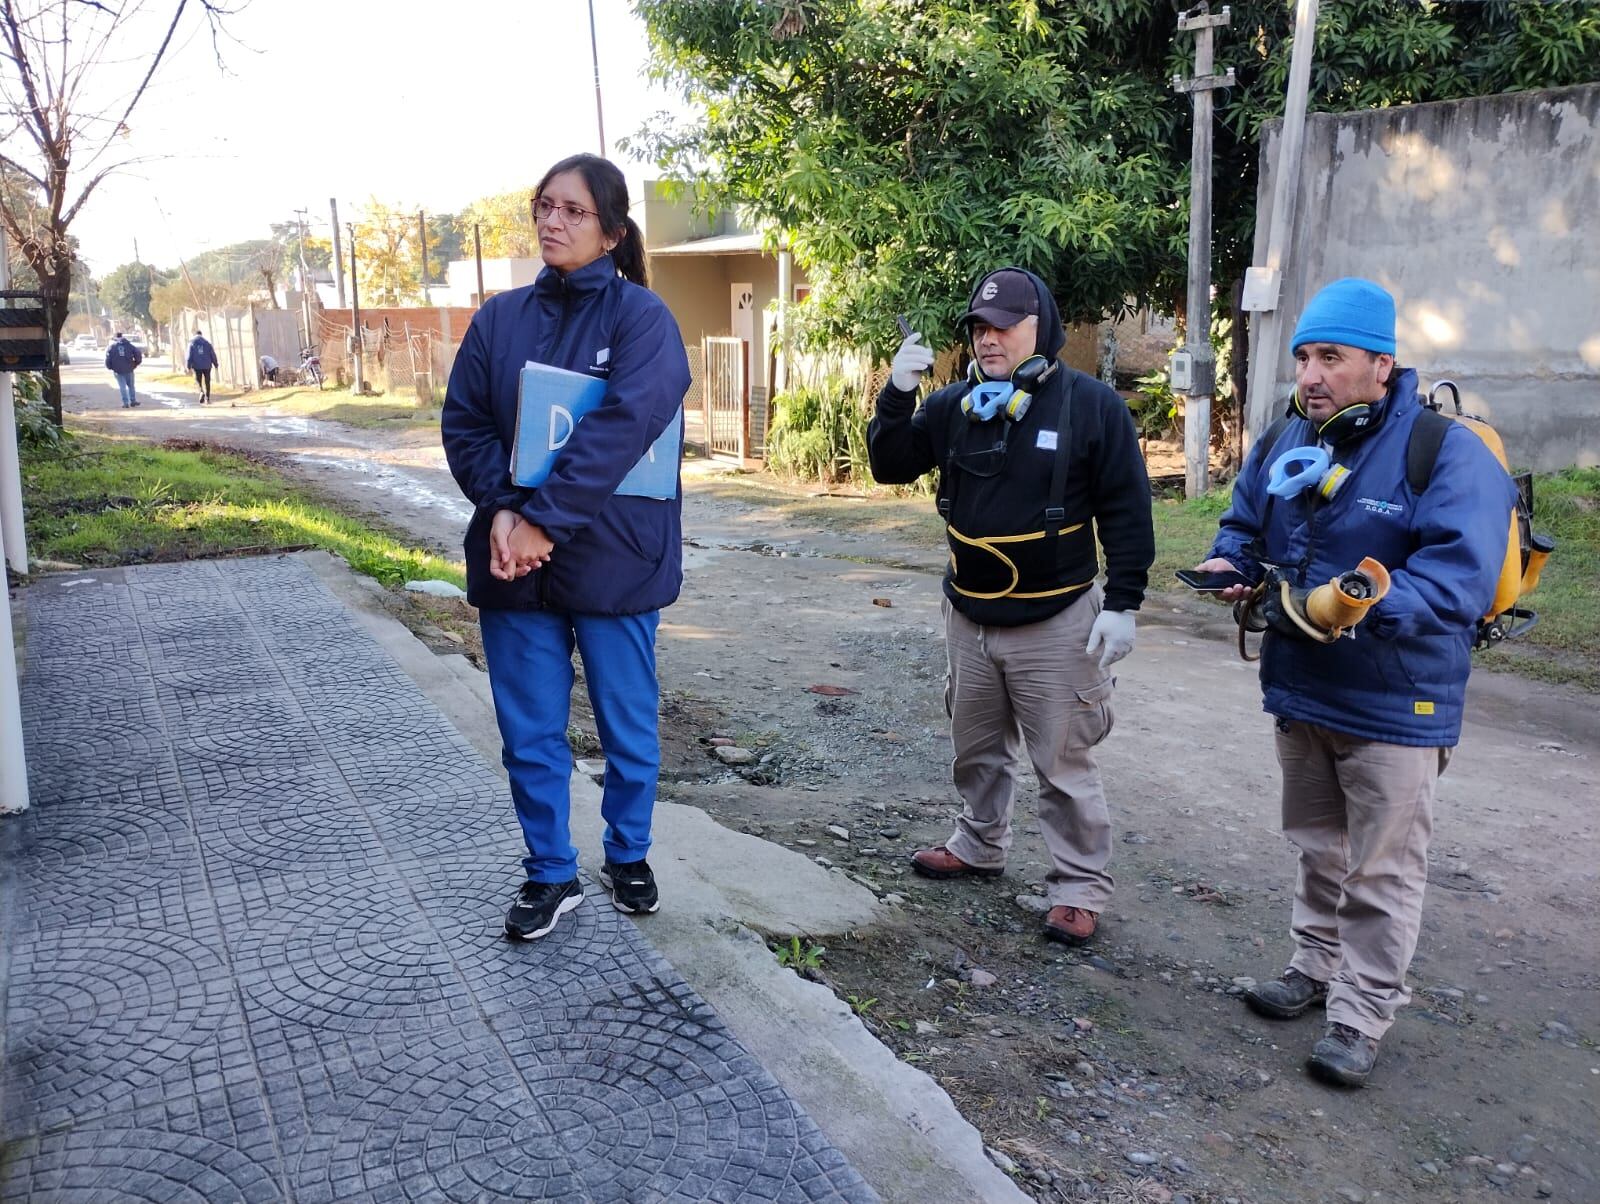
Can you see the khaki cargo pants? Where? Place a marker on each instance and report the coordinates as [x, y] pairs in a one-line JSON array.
[[1361, 813], [1033, 687]]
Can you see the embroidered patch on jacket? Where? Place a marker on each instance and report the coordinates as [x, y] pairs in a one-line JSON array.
[[1378, 506], [1047, 440], [602, 360], [1422, 708]]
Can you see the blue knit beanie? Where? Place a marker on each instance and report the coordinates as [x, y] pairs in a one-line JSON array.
[[1352, 311]]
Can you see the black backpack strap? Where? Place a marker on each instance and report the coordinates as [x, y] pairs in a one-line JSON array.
[[945, 499], [1427, 435], [1057, 510]]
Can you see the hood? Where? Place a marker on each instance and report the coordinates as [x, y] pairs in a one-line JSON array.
[[1052, 337]]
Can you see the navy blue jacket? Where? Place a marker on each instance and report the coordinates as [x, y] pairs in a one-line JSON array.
[[613, 555], [1402, 679], [123, 356], [202, 355]]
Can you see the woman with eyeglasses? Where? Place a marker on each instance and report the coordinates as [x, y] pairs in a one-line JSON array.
[[571, 562]]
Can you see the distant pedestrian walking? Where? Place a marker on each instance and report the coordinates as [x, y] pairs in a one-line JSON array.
[[122, 357], [202, 358]]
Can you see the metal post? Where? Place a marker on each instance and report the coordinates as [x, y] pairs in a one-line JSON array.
[[13, 756], [477, 253], [13, 534], [1263, 283], [358, 344], [785, 291], [1197, 329], [338, 252], [594, 55], [422, 243]]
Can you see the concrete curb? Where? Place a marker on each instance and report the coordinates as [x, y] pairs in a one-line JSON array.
[[895, 1124]]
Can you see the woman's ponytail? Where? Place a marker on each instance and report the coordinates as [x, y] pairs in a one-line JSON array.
[[628, 254]]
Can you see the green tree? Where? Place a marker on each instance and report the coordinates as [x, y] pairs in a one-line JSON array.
[[904, 146], [126, 289]]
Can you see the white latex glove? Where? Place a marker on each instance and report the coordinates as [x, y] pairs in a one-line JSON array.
[[909, 363], [1112, 636]]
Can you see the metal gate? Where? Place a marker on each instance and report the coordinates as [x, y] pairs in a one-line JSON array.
[[727, 397]]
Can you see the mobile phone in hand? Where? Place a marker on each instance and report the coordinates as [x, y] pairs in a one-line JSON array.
[[905, 327], [1210, 583]]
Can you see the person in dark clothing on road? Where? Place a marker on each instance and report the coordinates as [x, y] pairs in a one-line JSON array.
[[122, 357], [1033, 457], [573, 562], [201, 359]]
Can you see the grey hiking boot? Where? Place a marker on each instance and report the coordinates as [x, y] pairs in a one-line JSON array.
[[1287, 996], [1344, 1056]]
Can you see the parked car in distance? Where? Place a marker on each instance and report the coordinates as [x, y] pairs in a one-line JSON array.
[[61, 354], [85, 342]]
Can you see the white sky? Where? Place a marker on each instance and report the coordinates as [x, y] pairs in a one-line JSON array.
[[425, 105]]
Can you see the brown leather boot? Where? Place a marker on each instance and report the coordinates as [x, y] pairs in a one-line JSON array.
[[1071, 925], [940, 862]]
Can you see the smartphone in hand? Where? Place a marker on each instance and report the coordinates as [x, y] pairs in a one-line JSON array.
[[905, 327], [1210, 583]]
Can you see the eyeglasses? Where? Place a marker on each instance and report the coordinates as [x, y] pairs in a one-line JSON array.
[[571, 215]]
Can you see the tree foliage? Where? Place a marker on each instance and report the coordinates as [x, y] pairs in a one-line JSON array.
[[505, 225], [388, 255], [903, 147], [127, 290]]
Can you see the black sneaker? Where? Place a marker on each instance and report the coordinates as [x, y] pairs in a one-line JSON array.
[[632, 886], [1287, 996], [1344, 1057], [539, 905]]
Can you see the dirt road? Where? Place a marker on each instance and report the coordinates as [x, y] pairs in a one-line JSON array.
[[1134, 1057]]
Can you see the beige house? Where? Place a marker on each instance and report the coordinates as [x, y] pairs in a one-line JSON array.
[[729, 293]]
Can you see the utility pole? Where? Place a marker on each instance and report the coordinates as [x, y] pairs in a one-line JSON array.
[[1263, 283], [422, 244], [358, 384], [1194, 368], [594, 55], [477, 253], [338, 253], [306, 285]]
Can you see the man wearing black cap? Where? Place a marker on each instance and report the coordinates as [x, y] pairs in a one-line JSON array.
[[1033, 458]]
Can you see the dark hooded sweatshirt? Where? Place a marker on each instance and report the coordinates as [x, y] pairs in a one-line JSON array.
[[993, 496]]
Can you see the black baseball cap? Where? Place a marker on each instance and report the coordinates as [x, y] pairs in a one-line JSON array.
[[1003, 299]]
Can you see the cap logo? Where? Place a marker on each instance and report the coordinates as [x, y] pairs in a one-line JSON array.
[[989, 291]]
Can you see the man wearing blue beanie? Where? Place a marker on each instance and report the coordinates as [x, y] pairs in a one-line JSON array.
[[1365, 721]]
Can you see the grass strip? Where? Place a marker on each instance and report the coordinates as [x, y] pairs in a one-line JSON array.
[[110, 501]]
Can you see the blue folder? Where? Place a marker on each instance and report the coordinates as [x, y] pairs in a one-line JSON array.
[[550, 404]]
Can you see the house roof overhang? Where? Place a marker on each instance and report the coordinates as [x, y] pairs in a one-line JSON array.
[[717, 244]]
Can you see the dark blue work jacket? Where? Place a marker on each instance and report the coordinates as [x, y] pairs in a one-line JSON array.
[[613, 555], [1402, 678]]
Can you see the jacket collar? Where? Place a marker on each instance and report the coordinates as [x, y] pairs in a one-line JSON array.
[[586, 281]]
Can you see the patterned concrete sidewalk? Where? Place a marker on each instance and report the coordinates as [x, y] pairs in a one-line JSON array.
[[255, 950]]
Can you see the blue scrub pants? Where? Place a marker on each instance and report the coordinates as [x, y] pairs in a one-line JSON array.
[[529, 654]]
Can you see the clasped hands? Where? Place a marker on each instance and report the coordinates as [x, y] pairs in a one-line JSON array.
[[516, 546]]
